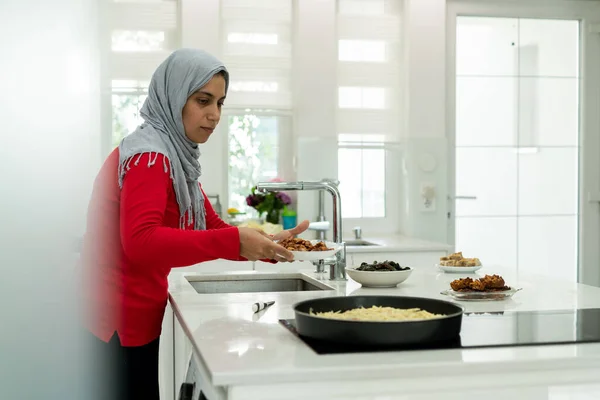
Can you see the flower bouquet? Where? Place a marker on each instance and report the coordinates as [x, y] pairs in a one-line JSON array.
[[270, 203]]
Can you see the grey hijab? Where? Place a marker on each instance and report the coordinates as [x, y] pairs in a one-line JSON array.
[[181, 74]]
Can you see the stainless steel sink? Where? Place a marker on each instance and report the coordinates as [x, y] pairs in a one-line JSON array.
[[253, 282], [359, 242]]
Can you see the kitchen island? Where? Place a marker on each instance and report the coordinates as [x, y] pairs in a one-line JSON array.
[[241, 355]]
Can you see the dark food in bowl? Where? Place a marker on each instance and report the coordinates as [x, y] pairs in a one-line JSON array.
[[384, 266]]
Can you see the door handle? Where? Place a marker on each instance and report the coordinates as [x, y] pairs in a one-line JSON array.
[[463, 197]]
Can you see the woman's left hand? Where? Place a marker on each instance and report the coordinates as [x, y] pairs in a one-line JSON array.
[[298, 229]]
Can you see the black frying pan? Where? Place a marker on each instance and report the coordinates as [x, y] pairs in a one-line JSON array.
[[368, 333]]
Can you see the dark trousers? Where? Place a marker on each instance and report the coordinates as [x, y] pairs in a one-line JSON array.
[[125, 373]]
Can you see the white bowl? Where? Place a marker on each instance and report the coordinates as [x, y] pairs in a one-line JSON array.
[[379, 279]]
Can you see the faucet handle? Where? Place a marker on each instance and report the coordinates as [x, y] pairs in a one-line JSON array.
[[357, 232], [331, 180]]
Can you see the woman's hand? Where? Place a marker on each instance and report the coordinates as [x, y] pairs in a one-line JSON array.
[[255, 245], [301, 227]]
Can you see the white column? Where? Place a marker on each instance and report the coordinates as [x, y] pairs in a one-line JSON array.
[[315, 97], [425, 119], [425, 50]]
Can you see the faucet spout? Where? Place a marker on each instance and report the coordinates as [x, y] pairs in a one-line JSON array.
[[337, 270]]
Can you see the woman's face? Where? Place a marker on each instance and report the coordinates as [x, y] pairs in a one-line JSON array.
[[202, 111]]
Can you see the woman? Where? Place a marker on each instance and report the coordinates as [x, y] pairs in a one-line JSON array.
[[149, 214]]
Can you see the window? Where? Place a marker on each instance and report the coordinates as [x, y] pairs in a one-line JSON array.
[[368, 86], [137, 40], [252, 38], [253, 154], [253, 86], [361, 171], [361, 50], [256, 44], [127, 99], [142, 34], [361, 97], [361, 7]]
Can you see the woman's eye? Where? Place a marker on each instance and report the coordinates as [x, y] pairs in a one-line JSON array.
[[221, 104], [203, 101]]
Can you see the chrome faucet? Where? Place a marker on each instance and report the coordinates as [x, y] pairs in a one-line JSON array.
[[337, 264], [322, 232]]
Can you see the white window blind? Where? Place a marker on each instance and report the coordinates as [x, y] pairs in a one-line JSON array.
[[369, 67], [257, 49], [369, 93], [141, 34]]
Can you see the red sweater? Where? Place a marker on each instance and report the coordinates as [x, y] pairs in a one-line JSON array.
[[133, 239]]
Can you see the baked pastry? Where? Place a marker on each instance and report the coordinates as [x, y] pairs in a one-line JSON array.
[[461, 284], [493, 281], [489, 283], [457, 260]]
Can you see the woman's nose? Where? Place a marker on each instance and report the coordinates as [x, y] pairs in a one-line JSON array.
[[214, 114]]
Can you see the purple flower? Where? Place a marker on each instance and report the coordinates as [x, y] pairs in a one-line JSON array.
[[252, 200], [284, 198]]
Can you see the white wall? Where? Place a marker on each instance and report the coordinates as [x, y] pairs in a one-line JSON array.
[[315, 73], [48, 157]]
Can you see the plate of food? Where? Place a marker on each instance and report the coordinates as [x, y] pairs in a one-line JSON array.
[[456, 263], [488, 288], [310, 250], [379, 274]]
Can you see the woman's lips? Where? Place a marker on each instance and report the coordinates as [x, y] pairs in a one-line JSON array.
[[208, 130]]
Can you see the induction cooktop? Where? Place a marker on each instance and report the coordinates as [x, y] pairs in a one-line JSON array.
[[494, 329]]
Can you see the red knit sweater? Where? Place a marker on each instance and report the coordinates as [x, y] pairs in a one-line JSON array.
[[133, 239]]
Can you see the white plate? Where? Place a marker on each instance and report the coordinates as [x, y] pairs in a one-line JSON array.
[[459, 270], [379, 279], [317, 255]]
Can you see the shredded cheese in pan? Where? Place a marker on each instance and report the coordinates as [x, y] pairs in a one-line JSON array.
[[376, 313]]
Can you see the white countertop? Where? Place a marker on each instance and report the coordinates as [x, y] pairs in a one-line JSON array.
[[394, 243], [239, 348]]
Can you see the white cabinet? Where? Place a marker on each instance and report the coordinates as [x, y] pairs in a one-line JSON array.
[[165, 357], [182, 352], [404, 258], [175, 351]]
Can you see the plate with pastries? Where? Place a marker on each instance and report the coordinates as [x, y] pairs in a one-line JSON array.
[[310, 250], [487, 288], [456, 263]]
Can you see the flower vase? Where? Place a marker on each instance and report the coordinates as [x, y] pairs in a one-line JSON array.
[[273, 216]]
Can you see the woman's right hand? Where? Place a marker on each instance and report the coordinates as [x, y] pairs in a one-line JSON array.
[[255, 245]]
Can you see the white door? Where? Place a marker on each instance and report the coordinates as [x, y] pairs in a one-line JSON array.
[[520, 110]]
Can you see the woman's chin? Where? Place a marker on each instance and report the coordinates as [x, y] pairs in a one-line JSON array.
[[198, 139]]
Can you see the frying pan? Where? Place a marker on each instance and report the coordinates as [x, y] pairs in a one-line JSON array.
[[371, 333]]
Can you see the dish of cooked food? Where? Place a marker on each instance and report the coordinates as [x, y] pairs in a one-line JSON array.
[[383, 266], [457, 260], [378, 314], [489, 283], [297, 244]]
